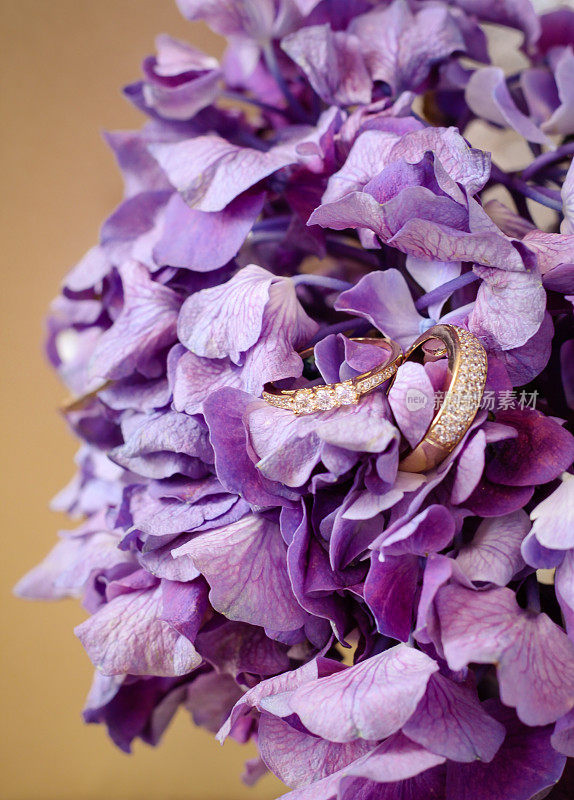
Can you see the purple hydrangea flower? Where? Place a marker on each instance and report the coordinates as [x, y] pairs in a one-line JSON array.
[[378, 634]]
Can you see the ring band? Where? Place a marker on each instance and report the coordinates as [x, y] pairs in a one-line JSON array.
[[468, 364], [333, 395]]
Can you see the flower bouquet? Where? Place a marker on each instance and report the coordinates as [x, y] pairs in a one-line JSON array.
[[321, 364]]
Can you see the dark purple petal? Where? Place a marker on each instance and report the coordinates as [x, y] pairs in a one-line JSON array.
[[234, 465], [391, 592], [210, 698], [238, 649], [540, 453], [427, 532], [450, 721], [563, 737], [564, 586], [525, 764]]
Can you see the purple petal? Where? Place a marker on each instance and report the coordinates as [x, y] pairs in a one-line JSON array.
[[513, 464], [429, 531], [128, 635], [525, 765], [469, 468], [450, 721], [412, 400], [391, 594], [226, 320], [140, 171], [526, 362], [554, 517], [509, 308], [235, 468], [401, 47], [488, 96], [277, 685], [396, 759], [567, 193], [564, 586], [491, 500], [209, 171], [69, 566], [236, 649], [131, 708], [493, 555], [563, 736], [383, 297], [210, 698], [181, 80], [297, 758], [534, 657], [146, 324], [369, 701], [253, 312], [333, 62], [203, 241], [562, 120], [245, 564]]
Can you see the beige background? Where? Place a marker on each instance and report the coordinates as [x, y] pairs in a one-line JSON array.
[[63, 63]]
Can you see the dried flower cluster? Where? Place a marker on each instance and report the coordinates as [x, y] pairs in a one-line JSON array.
[[320, 181]]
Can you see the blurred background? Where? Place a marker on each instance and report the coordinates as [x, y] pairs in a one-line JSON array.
[[63, 65]]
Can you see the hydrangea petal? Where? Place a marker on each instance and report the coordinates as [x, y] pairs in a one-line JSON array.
[[450, 721], [411, 398], [245, 564], [333, 63], [146, 323], [400, 47], [535, 658], [391, 594], [203, 241], [524, 766], [370, 701], [493, 555], [511, 465], [554, 517], [119, 637], [488, 96], [298, 758]]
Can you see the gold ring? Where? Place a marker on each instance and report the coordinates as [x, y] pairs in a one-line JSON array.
[[333, 395], [467, 363]]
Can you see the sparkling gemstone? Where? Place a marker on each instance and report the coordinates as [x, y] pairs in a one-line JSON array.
[[304, 401], [324, 399], [346, 394]]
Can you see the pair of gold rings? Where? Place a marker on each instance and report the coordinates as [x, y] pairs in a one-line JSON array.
[[467, 367]]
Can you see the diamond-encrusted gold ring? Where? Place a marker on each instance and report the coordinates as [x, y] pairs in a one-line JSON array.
[[467, 362], [333, 395]]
